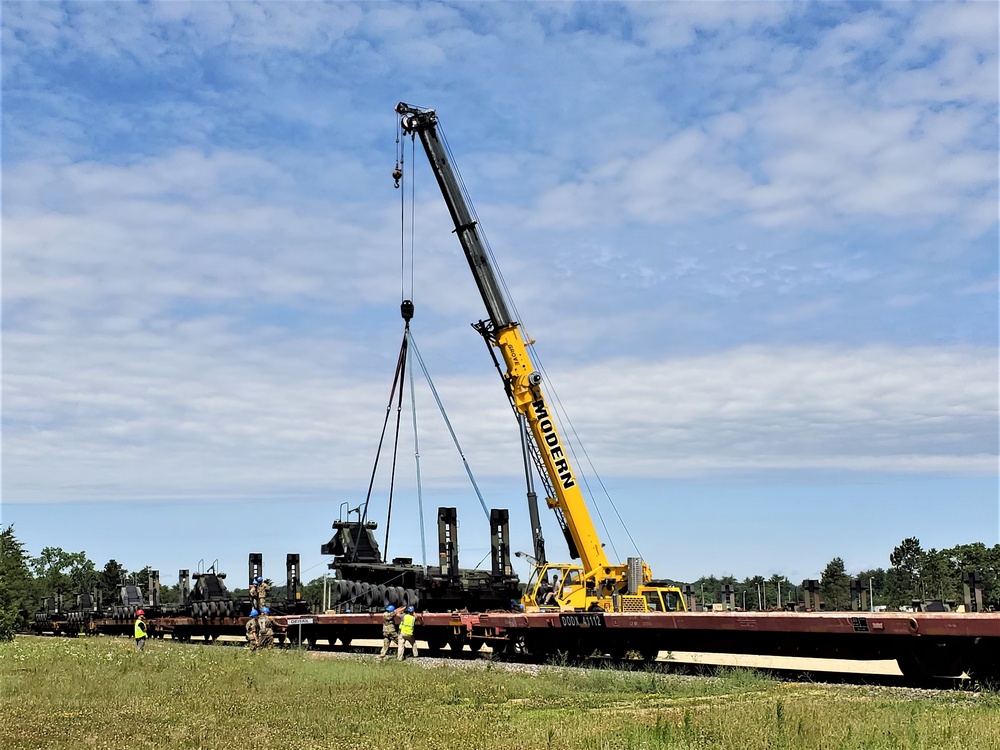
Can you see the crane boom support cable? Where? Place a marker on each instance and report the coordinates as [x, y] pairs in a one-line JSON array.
[[444, 415], [416, 454], [400, 365], [395, 448]]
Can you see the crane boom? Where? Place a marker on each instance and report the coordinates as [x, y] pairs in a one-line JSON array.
[[523, 379], [599, 583]]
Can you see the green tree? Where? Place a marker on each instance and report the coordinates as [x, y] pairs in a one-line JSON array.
[[16, 584], [751, 586], [109, 579], [983, 560], [779, 590], [940, 577], [83, 575], [835, 586], [313, 592], [904, 575], [707, 589], [66, 573], [170, 594], [141, 577], [875, 580]]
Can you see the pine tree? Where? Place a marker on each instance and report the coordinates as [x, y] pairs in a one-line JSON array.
[[16, 584], [835, 586]]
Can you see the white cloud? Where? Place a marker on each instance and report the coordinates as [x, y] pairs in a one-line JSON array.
[[209, 309], [197, 410], [828, 140]]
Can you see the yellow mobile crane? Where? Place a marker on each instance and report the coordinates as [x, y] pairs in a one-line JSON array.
[[593, 583]]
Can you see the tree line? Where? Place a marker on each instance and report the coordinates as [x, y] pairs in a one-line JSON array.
[[25, 580], [913, 574]]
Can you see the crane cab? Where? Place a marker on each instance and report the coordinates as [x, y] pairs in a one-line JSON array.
[[555, 586], [662, 599], [564, 587]]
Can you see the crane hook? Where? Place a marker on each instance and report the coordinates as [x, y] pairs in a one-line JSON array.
[[397, 174], [406, 310]]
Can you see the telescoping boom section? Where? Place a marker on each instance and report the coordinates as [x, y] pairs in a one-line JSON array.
[[594, 583]]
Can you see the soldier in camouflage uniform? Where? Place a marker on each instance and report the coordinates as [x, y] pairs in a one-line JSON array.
[[253, 631], [266, 637], [263, 588], [253, 593], [390, 636]]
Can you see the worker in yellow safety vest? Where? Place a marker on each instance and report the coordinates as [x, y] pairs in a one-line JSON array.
[[140, 630], [406, 637]]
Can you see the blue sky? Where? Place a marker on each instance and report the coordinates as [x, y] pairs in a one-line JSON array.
[[756, 244]]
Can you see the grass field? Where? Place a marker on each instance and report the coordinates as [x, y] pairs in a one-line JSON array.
[[97, 693]]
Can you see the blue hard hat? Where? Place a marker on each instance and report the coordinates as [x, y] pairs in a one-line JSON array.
[[258, 579], [390, 608], [266, 610], [254, 613], [409, 609]]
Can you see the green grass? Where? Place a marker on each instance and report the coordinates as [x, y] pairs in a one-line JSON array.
[[97, 693]]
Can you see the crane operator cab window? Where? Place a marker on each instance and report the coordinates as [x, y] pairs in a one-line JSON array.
[[671, 602], [662, 601], [544, 590]]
